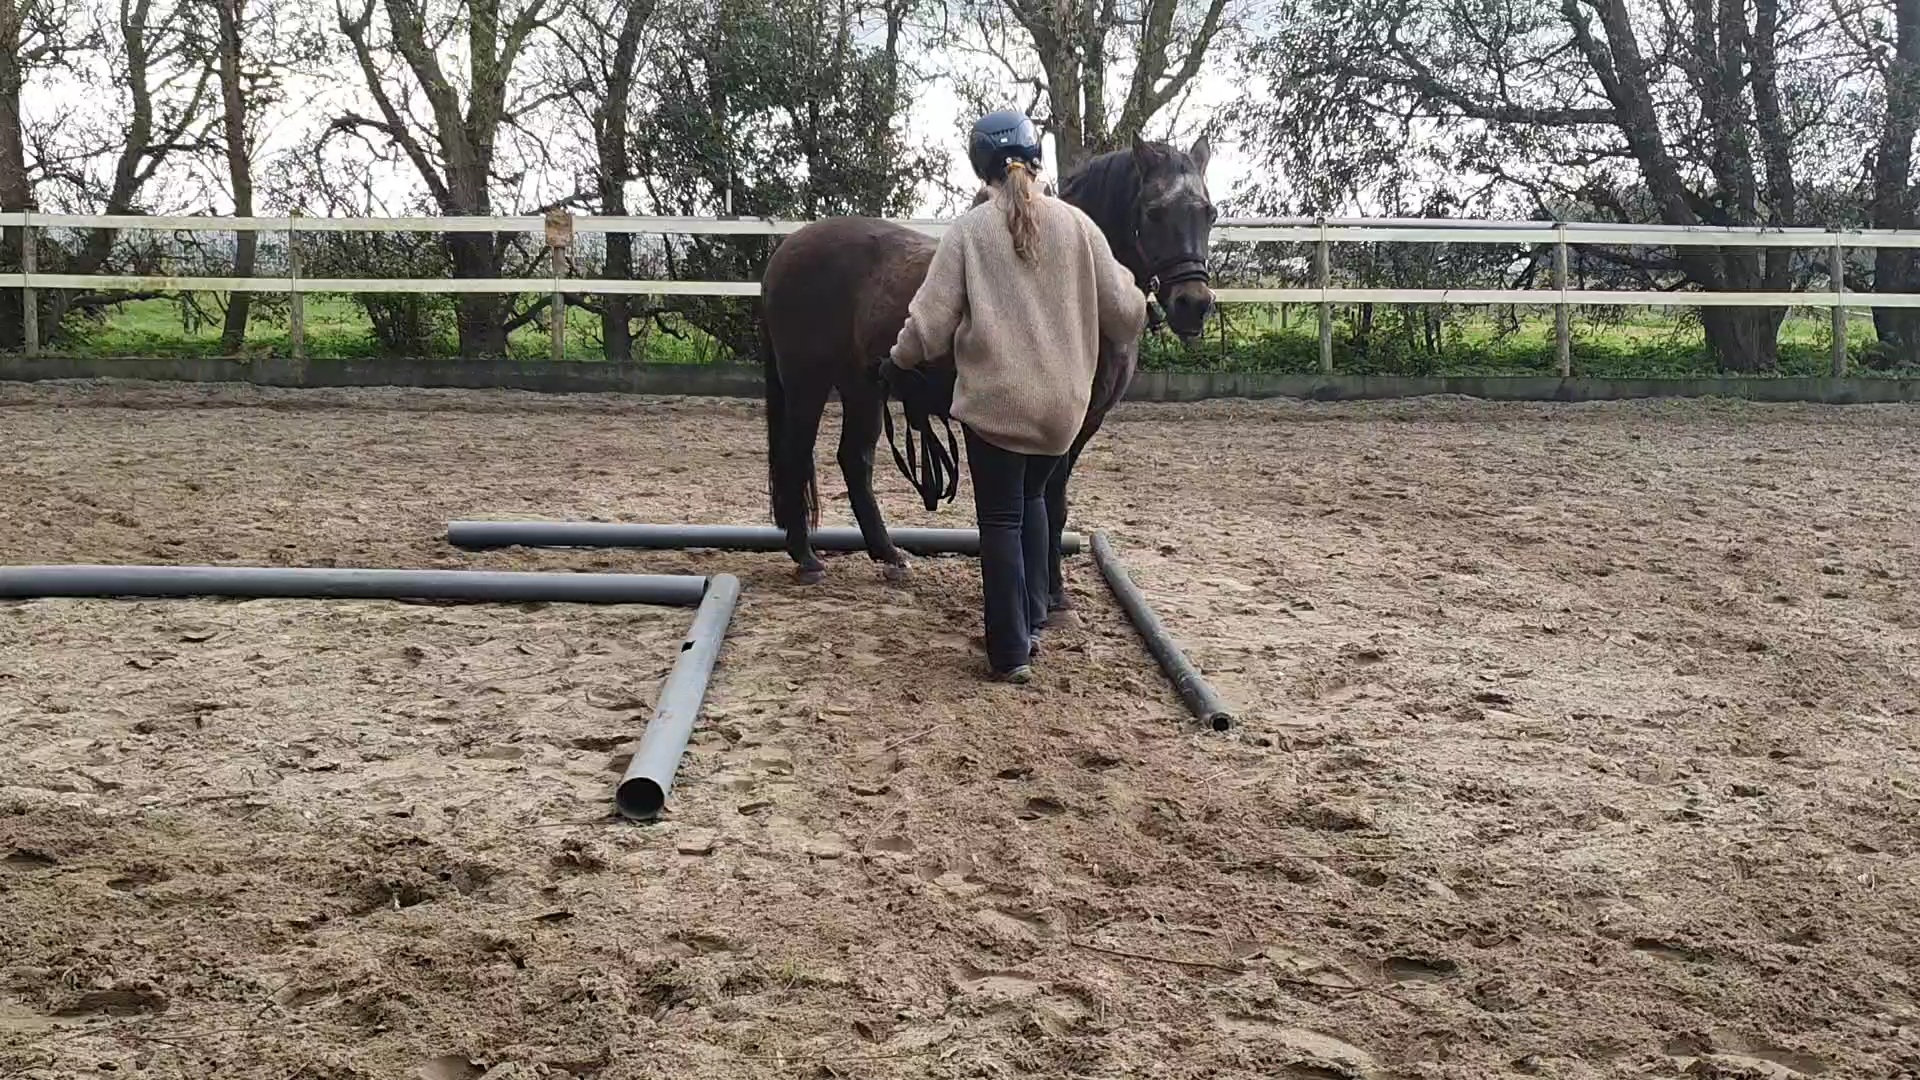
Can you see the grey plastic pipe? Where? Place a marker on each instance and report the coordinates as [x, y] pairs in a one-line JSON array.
[[497, 534], [1194, 690], [286, 582], [642, 793]]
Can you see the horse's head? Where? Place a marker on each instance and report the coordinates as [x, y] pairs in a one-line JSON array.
[[1173, 222]]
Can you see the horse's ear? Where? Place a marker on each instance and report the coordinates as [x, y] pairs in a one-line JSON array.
[[1145, 155], [1202, 151], [985, 194]]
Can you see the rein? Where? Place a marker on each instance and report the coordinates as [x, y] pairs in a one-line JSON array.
[[933, 470]]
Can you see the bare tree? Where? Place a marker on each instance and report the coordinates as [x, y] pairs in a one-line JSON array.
[[231, 16], [16, 192], [1895, 50], [453, 147], [600, 54], [159, 113], [1686, 113], [1066, 49], [255, 45]]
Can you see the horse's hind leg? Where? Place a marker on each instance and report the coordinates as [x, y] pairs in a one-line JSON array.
[[859, 430], [796, 494]]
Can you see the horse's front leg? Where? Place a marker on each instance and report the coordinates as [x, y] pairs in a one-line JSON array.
[[1057, 599], [1110, 381]]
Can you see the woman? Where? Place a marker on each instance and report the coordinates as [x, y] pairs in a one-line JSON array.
[[1021, 292]]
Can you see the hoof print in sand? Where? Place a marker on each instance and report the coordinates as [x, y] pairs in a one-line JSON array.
[[1305, 1052], [996, 987]]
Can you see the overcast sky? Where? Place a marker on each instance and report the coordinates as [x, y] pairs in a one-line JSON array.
[[940, 112], [939, 115]]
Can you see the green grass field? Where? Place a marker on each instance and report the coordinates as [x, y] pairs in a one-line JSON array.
[[1640, 344], [337, 328]]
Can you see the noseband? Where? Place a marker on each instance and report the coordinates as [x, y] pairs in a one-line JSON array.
[[1169, 272], [1179, 270]]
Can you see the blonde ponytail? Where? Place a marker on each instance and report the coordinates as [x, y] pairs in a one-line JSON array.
[[1017, 197]]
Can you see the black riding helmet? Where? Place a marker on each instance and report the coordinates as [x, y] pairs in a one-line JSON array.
[[1000, 137]]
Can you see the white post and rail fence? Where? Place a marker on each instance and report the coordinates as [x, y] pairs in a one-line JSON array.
[[558, 232]]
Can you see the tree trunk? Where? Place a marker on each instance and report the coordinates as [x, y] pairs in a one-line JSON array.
[[1066, 120], [16, 192], [1069, 137], [616, 319], [479, 316], [1743, 339], [1746, 340], [483, 335], [1898, 329], [1894, 269], [233, 335], [616, 166]]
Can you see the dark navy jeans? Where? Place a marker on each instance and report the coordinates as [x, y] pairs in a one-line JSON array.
[[1010, 501]]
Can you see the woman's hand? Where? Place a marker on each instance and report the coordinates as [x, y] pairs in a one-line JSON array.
[[908, 351], [1155, 317]]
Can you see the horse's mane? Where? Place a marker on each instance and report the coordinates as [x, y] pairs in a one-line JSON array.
[[1106, 189]]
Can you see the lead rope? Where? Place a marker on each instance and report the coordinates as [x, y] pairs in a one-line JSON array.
[[934, 471]]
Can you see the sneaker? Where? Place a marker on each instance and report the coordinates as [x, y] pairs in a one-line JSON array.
[[1019, 676]]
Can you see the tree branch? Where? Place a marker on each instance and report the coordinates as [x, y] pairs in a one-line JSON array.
[[392, 125], [532, 312], [1420, 79], [1190, 67]]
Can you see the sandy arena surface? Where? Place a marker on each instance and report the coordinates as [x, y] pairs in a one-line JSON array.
[[1578, 742]]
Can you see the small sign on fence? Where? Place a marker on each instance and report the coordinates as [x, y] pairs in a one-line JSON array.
[[559, 229]]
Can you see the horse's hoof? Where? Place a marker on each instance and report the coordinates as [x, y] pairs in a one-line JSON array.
[[896, 573], [811, 575]]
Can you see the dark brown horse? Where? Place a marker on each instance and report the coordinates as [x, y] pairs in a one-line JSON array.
[[835, 295]]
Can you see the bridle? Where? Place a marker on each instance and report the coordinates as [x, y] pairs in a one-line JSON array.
[[1167, 273], [1174, 270], [1179, 270]]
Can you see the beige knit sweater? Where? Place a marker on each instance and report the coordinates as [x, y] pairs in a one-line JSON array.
[[1024, 337]]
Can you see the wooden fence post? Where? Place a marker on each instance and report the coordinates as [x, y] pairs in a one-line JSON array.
[[29, 296], [296, 304], [1839, 275], [1562, 312], [1323, 275], [559, 240]]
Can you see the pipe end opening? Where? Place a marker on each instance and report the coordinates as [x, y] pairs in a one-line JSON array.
[[1221, 721], [640, 799]]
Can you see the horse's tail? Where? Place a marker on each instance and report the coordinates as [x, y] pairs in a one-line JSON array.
[[776, 430], [776, 415]]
